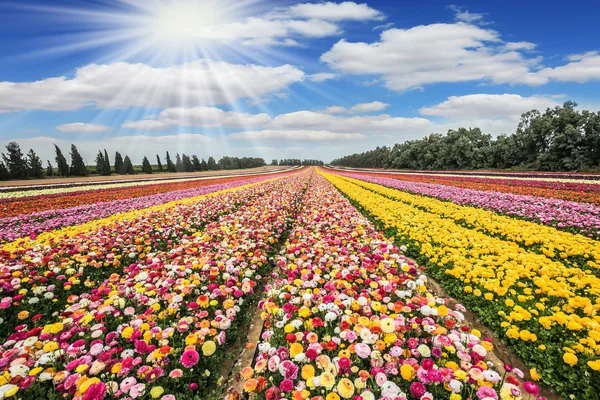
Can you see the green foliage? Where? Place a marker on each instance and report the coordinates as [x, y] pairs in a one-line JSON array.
[[212, 164], [128, 166], [239, 163], [106, 170], [196, 163], [203, 165], [4, 173], [297, 161], [15, 161], [119, 164], [170, 166], [559, 139], [34, 165], [78, 167], [49, 169], [160, 166], [274, 162], [146, 167], [61, 161]]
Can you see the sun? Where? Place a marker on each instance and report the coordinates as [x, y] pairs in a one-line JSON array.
[[184, 22]]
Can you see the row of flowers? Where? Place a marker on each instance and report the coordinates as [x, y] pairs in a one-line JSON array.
[[575, 217], [547, 311], [522, 188], [591, 176], [350, 318], [46, 200], [155, 301], [571, 249], [33, 224], [93, 251]]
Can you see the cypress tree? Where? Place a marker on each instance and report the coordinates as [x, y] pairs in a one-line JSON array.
[[160, 167], [203, 165], [49, 169], [178, 163], [128, 166], [186, 163], [15, 161], [61, 161], [34, 164], [170, 166], [100, 163], [107, 168], [146, 167], [196, 163], [119, 163], [78, 167]]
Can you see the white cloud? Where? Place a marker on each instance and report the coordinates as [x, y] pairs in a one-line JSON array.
[[200, 117], [426, 54], [512, 46], [357, 109], [369, 107], [582, 68], [299, 135], [202, 82], [479, 106], [323, 76], [383, 26], [463, 15], [379, 124], [80, 127], [330, 11]]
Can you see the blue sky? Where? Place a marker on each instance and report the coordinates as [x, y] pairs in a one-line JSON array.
[[280, 79]]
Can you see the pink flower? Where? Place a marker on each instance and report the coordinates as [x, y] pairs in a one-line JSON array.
[[127, 384], [176, 373], [362, 350], [531, 388], [189, 358], [485, 391], [96, 391], [286, 385], [137, 390]]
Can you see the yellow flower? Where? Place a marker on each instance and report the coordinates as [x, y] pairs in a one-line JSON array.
[[308, 372], [388, 325], [156, 392], [595, 365], [534, 374], [50, 347], [209, 348], [296, 349], [327, 380], [332, 396], [345, 388], [407, 372], [127, 332], [442, 310], [570, 359]]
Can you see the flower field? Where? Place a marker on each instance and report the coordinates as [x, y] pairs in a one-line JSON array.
[[536, 286], [147, 291]]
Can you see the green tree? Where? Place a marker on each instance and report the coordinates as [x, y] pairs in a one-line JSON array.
[[160, 166], [212, 164], [196, 163], [203, 165], [186, 163], [119, 165], [146, 167], [78, 167], [49, 169], [61, 162], [4, 173], [170, 166], [274, 162], [178, 163], [15, 161], [128, 166], [107, 170], [34, 165], [100, 163]]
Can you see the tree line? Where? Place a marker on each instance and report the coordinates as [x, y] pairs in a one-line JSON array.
[[296, 161], [559, 139], [15, 165]]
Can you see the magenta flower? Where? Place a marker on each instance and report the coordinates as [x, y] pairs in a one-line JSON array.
[[189, 358]]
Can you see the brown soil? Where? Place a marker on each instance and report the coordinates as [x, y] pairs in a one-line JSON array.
[[140, 176]]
